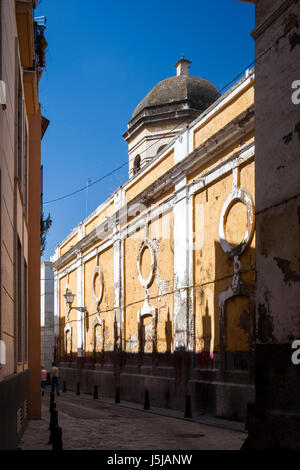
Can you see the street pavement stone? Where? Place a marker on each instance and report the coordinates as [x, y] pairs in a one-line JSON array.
[[89, 424]]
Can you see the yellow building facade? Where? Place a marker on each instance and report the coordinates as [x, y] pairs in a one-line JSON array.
[[163, 271], [22, 50]]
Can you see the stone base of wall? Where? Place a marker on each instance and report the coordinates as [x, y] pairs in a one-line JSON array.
[[168, 381], [274, 419], [14, 393]]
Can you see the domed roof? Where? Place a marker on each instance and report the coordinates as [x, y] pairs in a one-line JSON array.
[[176, 94], [196, 91]]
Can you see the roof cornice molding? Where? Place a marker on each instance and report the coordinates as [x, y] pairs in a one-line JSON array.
[[260, 29], [240, 126], [172, 115]]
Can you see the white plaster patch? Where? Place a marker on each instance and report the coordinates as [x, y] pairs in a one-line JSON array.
[[237, 195], [97, 273], [132, 342]]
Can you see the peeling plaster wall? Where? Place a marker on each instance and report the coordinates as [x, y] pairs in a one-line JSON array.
[[238, 104], [160, 291], [274, 419], [163, 324], [213, 270], [277, 173], [105, 307]]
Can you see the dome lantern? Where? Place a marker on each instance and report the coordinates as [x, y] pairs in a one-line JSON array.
[[164, 112], [183, 67]]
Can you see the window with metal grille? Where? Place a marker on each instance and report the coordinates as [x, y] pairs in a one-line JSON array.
[[25, 169], [19, 304], [25, 313], [20, 128]]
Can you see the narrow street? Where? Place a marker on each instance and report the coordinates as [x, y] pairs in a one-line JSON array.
[[89, 424]]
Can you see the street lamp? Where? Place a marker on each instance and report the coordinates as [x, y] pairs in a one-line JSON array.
[[69, 298]]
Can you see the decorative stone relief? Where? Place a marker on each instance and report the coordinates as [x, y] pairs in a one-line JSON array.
[[163, 286], [146, 311], [146, 283], [237, 288], [237, 195], [97, 296], [99, 336]]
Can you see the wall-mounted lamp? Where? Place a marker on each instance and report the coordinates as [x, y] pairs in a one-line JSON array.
[[69, 298]]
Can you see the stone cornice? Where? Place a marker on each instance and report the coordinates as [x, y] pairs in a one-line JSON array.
[[151, 137], [260, 29], [240, 126], [184, 116]]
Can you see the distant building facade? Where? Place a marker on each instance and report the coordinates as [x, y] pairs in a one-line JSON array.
[[20, 208], [164, 270], [47, 315]]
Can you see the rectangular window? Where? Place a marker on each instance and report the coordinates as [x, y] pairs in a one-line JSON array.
[[25, 169], [20, 129], [25, 313], [19, 300]]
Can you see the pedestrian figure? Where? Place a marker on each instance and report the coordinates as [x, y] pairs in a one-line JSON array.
[[43, 379], [54, 377]]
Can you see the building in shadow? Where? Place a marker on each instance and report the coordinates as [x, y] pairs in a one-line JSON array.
[[274, 420]]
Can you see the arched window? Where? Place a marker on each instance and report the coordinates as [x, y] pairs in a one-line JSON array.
[[137, 164], [161, 148]]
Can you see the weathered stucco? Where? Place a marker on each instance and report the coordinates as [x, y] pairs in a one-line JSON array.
[[172, 302]]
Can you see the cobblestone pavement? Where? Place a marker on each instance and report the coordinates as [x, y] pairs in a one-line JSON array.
[[89, 424]]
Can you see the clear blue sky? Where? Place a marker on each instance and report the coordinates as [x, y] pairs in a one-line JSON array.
[[103, 58]]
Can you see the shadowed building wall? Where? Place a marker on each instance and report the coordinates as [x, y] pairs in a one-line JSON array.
[[274, 421]]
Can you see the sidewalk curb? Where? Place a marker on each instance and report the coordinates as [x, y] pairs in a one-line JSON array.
[[208, 421]]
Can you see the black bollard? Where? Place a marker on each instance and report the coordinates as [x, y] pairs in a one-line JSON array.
[[64, 387], [188, 407], [52, 386], [117, 400], [147, 400], [78, 389], [95, 392], [52, 406], [52, 415], [51, 401], [53, 425], [57, 443]]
